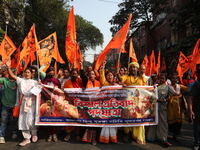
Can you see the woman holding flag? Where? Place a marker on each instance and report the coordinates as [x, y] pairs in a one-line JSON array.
[[108, 134]]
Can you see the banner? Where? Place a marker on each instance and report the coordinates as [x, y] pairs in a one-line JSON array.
[[112, 106]]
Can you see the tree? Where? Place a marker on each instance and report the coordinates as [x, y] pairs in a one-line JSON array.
[[186, 23], [142, 13], [50, 16]]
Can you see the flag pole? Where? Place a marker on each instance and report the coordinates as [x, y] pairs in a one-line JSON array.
[[38, 66], [118, 61]]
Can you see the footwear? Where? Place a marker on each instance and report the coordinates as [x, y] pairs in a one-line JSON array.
[[55, 139], [34, 138], [94, 142], [167, 143], [14, 136], [67, 138], [49, 139], [2, 140], [24, 142], [196, 148]]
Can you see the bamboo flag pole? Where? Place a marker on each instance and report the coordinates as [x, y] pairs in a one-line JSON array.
[[37, 58]]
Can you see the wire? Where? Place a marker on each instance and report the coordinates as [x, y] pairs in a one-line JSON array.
[[109, 1]]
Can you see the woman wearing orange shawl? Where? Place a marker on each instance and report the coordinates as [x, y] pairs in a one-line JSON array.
[[108, 134], [89, 82]]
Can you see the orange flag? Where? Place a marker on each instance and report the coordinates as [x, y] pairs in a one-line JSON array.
[[194, 57], [132, 52], [29, 46], [7, 48], [145, 61], [15, 59], [152, 63], [163, 65], [117, 42], [70, 42], [183, 65], [48, 49]]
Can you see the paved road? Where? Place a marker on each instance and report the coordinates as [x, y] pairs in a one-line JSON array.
[[186, 139]]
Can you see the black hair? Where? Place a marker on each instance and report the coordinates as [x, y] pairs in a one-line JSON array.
[[50, 69], [28, 68]]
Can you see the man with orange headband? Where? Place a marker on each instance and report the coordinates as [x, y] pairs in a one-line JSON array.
[[133, 78]]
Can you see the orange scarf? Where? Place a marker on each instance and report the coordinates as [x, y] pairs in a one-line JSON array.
[[90, 84]]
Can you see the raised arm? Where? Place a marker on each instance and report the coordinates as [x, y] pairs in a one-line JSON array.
[[8, 63]]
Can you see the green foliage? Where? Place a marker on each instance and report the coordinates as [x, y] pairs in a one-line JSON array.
[[141, 10], [187, 21], [88, 36]]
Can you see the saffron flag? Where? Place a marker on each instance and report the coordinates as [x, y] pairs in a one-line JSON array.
[[152, 65], [194, 57], [70, 42], [15, 59], [7, 48], [182, 66], [49, 49], [145, 61], [132, 52], [163, 65], [116, 42], [29, 46]]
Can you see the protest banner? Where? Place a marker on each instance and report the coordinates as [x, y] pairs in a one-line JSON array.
[[112, 106]]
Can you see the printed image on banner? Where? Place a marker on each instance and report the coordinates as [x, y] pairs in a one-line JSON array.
[[113, 106]]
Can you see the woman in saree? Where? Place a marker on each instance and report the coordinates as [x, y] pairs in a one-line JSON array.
[[160, 131], [26, 121], [175, 111]]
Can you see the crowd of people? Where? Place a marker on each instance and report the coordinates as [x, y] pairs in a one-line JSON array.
[[175, 99]]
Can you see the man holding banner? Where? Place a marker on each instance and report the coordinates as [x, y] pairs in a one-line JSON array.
[[133, 78]]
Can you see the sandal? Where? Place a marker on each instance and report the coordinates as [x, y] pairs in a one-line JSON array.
[[167, 143], [55, 139], [24, 142], [67, 138], [94, 142], [49, 139]]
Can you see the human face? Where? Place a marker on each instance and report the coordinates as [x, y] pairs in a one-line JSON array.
[[133, 70], [121, 71], [66, 73], [50, 74], [27, 74], [74, 75], [125, 70], [91, 75], [142, 69], [174, 79], [57, 96], [33, 72], [109, 77], [162, 79]]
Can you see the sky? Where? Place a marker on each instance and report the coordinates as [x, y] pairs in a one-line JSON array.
[[99, 12]]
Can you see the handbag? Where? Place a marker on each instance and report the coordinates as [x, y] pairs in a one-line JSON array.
[[16, 109]]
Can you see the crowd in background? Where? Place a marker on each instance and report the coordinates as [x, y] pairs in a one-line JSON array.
[[176, 99]]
